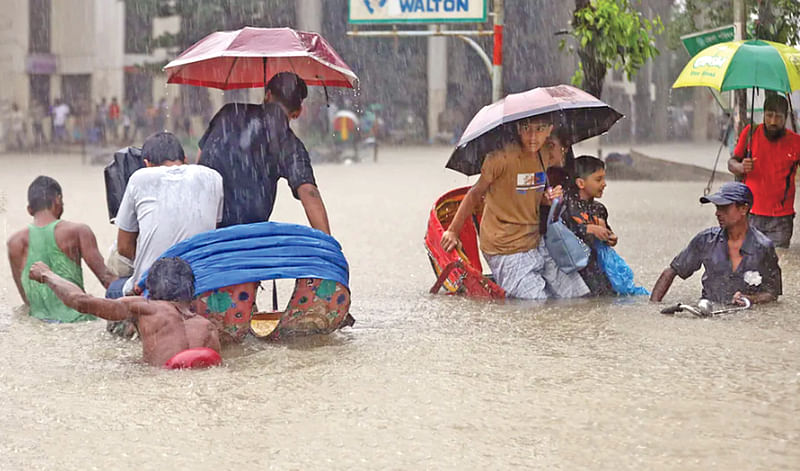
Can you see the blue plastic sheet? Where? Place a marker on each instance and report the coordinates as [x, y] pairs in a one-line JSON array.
[[260, 251], [618, 272]]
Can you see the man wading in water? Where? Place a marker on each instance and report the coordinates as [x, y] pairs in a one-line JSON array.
[[166, 324], [739, 260], [61, 244]]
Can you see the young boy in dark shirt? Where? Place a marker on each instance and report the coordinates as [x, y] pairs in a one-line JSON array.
[[588, 219]]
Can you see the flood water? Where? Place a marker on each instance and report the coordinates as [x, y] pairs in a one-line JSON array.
[[421, 381]]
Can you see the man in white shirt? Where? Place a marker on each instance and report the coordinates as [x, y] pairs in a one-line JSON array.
[[163, 204], [60, 114]]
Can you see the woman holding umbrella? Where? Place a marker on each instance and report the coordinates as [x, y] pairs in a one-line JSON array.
[[512, 181]]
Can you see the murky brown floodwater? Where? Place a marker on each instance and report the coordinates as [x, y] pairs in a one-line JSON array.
[[421, 381]]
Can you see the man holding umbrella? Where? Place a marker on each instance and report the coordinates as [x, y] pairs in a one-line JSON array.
[[252, 146], [512, 181], [766, 159]]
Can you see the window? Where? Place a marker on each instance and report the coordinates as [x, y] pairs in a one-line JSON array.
[[39, 26], [40, 90]]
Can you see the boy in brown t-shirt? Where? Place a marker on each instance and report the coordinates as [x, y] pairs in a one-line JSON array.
[[513, 183]]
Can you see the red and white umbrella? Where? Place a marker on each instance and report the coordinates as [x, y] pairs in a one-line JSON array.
[[249, 57]]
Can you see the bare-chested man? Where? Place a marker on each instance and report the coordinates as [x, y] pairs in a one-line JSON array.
[[166, 325], [61, 244]]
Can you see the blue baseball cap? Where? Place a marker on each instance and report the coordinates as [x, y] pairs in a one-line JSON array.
[[729, 193]]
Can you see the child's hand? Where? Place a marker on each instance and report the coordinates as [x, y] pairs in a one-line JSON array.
[[552, 194], [449, 240], [612, 239], [599, 231]]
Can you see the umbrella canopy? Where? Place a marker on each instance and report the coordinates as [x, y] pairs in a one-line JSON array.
[[249, 57], [578, 114], [743, 64]]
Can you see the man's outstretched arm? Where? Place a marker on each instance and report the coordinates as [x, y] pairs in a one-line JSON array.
[[314, 207], [662, 284], [71, 295]]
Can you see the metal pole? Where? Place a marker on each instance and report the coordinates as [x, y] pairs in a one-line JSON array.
[[740, 96], [420, 32], [497, 60], [481, 53]]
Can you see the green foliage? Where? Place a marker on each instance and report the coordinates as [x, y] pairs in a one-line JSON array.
[[779, 21], [202, 17], [611, 33], [773, 20], [577, 77]]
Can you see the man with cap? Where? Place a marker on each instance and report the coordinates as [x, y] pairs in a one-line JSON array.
[[739, 261], [766, 162], [252, 147], [163, 204]]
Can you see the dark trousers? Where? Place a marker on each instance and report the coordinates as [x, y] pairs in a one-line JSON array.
[[778, 229]]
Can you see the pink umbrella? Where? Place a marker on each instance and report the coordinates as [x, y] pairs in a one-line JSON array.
[[249, 57], [579, 113]]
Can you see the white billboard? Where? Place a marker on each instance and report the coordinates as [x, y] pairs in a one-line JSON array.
[[417, 11]]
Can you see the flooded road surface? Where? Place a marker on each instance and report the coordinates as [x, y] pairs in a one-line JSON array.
[[421, 381]]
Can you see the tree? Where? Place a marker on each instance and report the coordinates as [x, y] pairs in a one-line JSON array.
[[778, 20], [610, 34], [199, 18], [775, 20]]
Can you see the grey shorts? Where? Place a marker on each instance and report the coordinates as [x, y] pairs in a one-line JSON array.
[[534, 275], [778, 229]]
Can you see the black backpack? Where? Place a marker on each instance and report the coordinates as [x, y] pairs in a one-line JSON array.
[[125, 161]]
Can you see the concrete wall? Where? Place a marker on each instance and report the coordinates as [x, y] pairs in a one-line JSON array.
[[72, 36], [109, 50], [13, 53]]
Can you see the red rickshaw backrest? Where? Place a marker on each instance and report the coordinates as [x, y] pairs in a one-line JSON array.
[[445, 210]]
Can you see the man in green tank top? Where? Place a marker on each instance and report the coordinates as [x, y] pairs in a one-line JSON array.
[[58, 243]]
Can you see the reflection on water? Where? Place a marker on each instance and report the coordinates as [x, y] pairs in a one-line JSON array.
[[421, 381]]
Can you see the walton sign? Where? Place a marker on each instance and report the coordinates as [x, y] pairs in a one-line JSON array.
[[417, 11]]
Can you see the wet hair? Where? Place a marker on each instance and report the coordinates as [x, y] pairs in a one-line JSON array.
[[545, 119], [288, 89], [42, 193], [586, 165], [170, 279], [162, 147], [777, 103]]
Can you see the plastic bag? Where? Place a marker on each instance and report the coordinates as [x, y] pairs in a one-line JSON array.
[[567, 250], [618, 272]]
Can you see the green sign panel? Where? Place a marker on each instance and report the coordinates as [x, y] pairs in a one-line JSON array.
[[696, 42]]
